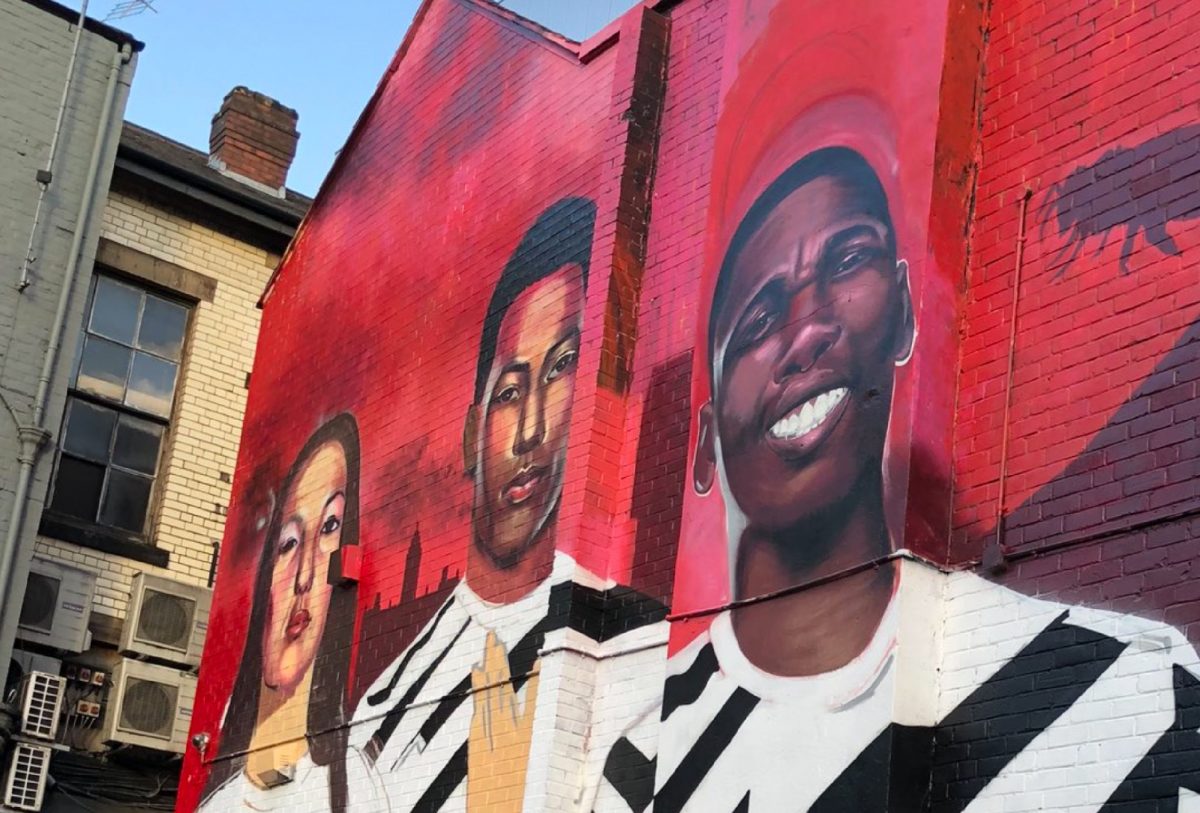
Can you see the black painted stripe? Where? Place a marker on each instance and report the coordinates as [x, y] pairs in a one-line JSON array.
[[631, 773], [1173, 764], [444, 784], [744, 805], [383, 694], [709, 746], [1004, 715], [686, 687], [392, 718]]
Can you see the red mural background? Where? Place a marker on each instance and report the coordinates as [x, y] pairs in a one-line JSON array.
[[377, 308]]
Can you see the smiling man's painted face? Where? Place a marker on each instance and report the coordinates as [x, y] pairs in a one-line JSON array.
[[526, 415], [814, 316]]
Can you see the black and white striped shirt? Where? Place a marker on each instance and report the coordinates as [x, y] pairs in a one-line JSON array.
[[414, 722], [970, 697]]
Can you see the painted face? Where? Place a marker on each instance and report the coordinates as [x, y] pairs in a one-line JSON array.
[[313, 511], [526, 415], [817, 312]]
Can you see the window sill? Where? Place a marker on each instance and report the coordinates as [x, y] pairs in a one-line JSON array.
[[105, 540]]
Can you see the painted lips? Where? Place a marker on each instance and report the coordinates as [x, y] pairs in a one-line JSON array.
[[803, 426], [298, 622], [521, 487]]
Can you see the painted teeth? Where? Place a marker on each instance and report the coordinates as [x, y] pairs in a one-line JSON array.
[[809, 416]]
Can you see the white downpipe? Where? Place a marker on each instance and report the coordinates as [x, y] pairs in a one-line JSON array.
[[34, 436], [46, 177]]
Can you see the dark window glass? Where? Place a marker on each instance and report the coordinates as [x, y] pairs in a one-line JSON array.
[[89, 430], [115, 310], [127, 369], [151, 385], [125, 501], [77, 486], [137, 445], [163, 324], [103, 369]]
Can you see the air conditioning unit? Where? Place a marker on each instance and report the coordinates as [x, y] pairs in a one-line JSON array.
[[58, 603], [25, 777], [28, 662], [149, 706], [167, 620], [41, 704]]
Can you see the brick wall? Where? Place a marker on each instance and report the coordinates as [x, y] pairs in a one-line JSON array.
[[200, 455], [34, 59]]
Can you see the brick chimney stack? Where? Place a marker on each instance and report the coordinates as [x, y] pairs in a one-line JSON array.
[[254, 139]]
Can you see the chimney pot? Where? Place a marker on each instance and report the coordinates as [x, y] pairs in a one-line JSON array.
[[254, 139]]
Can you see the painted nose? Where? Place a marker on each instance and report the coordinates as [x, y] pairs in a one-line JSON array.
[[531, 428], [815, 328], [305, 567]]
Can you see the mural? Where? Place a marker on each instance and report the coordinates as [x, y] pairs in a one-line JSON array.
[[294, 664]]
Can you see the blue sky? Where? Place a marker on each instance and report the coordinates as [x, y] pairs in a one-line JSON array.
[[321, 57]]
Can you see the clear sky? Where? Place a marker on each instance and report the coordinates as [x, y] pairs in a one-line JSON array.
[[321, 57]]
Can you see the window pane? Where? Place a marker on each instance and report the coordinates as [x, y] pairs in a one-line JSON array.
[[151, 385], [103, 368], [125, 501], [162, 328], [115, 310], [137, 444], [89, 430], [77, 485]]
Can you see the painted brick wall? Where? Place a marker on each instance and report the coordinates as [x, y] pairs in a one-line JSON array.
[[191, 495]]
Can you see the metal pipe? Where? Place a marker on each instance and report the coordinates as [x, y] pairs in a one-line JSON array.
[[34, 436], [994, 556], [46, 176]]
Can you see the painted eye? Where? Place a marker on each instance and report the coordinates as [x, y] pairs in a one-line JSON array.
[[506, 395], [853, 259], [756, 328], [332, 524], [564, 363], [287, 543]]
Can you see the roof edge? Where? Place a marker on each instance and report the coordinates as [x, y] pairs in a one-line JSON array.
[[90, 23]]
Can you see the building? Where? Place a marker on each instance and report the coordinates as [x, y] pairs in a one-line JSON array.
[[755, 406], [143, 422]]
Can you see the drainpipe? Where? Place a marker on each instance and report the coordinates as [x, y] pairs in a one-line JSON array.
[[46, 176], [34, 436]]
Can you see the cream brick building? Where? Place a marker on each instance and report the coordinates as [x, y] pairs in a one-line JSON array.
[[175, 225]]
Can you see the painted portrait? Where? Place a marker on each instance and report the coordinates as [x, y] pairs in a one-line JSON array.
[[286, 717]]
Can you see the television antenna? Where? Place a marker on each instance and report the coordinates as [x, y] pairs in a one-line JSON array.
[[130, 8]]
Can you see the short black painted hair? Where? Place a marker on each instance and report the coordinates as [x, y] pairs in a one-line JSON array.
[[842, 163], [562, 235]]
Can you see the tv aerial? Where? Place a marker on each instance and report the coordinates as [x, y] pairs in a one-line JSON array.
[[130, 8]]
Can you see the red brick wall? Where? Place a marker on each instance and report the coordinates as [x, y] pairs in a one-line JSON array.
[[1091, 107]]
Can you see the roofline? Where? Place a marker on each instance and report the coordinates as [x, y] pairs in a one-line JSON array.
[[582, 52], [90, 23], [249, 207]]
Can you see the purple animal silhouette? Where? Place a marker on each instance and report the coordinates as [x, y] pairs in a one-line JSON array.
[[1138, 188]]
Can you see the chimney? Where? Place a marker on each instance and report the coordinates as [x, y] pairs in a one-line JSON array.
[[254, 139]]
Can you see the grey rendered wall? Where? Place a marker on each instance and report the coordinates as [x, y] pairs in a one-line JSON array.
[[35, 48]]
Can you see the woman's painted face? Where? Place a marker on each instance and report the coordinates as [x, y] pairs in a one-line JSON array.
[[313, 511], [528, 414], [817, 312]]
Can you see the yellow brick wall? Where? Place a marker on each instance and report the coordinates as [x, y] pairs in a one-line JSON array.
[[202, 444]]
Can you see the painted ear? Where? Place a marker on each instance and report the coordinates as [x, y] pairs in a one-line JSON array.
[[470, 441], [704, 466], [906, 337]]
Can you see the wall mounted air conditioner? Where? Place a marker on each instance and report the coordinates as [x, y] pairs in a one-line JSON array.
[[41, 699], [149, 706], [57, 605], [25, 776], [167, 620], [28, 662]]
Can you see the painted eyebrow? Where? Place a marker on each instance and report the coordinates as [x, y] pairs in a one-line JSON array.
[[515, 367], [853, 232]]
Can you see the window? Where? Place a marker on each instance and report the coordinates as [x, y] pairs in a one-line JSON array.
[[118, 408]]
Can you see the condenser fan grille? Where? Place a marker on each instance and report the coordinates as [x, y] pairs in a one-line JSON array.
[[166, 620], [41, 598], [148, 707]]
